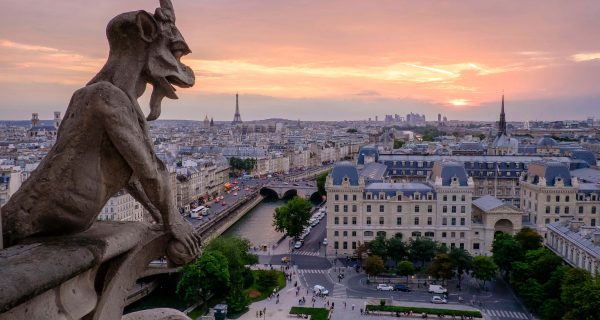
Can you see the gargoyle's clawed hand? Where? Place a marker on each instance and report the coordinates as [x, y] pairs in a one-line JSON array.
[[184, 233]]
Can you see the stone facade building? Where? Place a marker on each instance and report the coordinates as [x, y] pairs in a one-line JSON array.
[[441, 208], [122, 207], [576, 243]]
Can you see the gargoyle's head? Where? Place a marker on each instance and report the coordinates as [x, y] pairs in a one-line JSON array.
[[156, 39]]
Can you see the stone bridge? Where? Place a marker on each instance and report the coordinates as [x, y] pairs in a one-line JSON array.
[[289, 190]]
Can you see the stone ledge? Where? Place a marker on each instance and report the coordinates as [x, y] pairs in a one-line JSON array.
[[40, 264]]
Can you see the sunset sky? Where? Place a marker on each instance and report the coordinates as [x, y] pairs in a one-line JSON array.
[[325, 60]]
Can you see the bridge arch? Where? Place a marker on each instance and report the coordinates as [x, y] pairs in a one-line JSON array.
[[290, 194], [269, 193]]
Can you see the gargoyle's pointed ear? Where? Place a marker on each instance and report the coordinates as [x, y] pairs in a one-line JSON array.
[[147, 26]]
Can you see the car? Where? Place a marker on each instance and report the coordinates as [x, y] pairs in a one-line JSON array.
[[401, 287], [320, 290], [435, 288], [438, 300], [297, 245], [235, 193], [285, 259], [325, 242], [384, 287]]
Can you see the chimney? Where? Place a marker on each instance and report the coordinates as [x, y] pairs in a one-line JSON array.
[[574, 225], [597, 237]]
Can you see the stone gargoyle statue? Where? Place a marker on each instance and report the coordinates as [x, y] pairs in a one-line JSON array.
[[103, 144]]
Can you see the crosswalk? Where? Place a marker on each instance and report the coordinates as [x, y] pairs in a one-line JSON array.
[[304, 271], [505, 314], [339, 291], [307, 253]]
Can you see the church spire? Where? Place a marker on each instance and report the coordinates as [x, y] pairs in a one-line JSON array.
[[502, 123]]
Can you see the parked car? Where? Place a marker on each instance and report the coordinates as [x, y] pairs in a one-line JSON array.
[[319, 289], [297, 245], [384, 287], [325, 242], [438, 300], [435, 288], [401, 287]]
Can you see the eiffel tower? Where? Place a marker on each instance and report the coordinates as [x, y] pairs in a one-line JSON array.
[[237, 118]]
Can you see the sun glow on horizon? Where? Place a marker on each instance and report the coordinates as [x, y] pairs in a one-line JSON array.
[[459, 102]]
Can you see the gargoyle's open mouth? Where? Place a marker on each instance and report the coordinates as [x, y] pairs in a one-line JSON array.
[[174, 80]]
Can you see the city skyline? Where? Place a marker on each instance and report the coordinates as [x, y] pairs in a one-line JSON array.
[[328, 61]]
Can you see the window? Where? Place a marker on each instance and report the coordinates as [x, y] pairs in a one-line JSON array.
[[399, 209], [345, 197], [399, 197], [345, 233], [416, 221], [567, 198], [353, 208], [368, 220], [463, 198], [566, 209], [354, 233], [416, 209], [453, 221], [453, 209], [353, 220], [580, 209], [336, 208], [547, 209], [345, 208], [381, 220], [594, 209], [337, 197], [353, 197], [462, 234], [381, 208], [453, 234], [548, 199], [557, 198], [593, 222], [381, 233], [368, 233], [345, 220], [476, 246], [336, 245], [336, 220], [416, 234], [443, 234], [353, 244], [336, 233], [557, 209], [462, 221], [444, 221], [399, 220], [461, 245], [429, 221], [445, 209], [345, 245], [368, 208], [429, 234], [547, 220], [463, 209], [429, 208], [398, 235], [445, 198], [453, 198]]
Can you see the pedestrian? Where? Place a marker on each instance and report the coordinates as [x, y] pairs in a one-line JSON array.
[[361, 311], [344, 304], [257, 313], [332, 304], [353, 307]]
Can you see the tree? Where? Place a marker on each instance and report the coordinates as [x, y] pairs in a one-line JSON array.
[[207, 274], [532, 293], [237, 300], [378, 246], [422, 250], [236, 250], [572, 283], [441, 267], [506, 250], [396, 249], [398, 144], [373, 265], [405, 268], [462, 261], [529, 239], [586, 301], [321, 183], [545, 264], [484, 268], [292, 217], [552, 309], [361, 250]]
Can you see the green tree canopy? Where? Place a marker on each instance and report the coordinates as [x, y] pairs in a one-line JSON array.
[[484, 268], [405, 268], [462, 261], [506, 250], [292, 217], [378, 246], [396, 249], [207, 274], [321, 179], [398, 144], [373, 265], [422, 250], [441, 267], [529, 239]]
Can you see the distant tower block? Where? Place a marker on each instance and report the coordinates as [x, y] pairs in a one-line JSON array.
[[57, 119], [237, 118], [206, 122], [35, 120]]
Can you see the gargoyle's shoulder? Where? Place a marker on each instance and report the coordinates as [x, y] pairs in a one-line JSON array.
[[104, 91]]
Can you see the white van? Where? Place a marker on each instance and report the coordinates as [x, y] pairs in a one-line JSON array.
[[196, 212], [435, 288]]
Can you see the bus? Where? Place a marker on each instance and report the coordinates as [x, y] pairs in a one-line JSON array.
[[196, 212]]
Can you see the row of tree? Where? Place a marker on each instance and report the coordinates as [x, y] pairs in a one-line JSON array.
[[408, 257], [545, 284], [237, 165], [220, 272]]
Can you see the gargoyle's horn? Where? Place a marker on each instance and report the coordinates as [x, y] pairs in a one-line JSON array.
[[167, 9]]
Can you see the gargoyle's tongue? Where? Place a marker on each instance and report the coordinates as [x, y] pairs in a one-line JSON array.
[[155, 101]]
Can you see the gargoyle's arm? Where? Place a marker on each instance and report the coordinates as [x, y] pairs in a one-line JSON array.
[[121, 120], [137, 192]]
